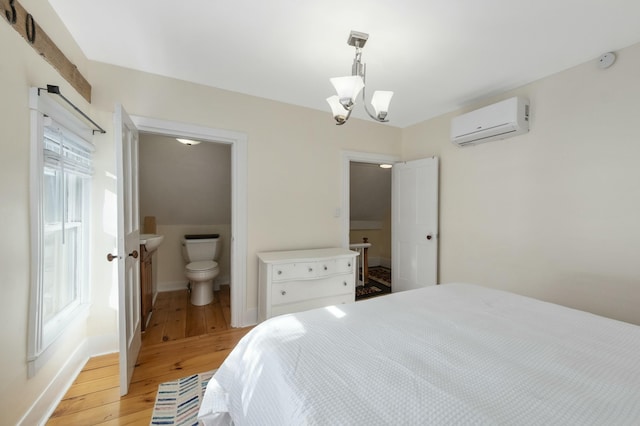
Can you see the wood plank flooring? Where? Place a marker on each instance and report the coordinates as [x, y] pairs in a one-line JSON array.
[[181, 340]]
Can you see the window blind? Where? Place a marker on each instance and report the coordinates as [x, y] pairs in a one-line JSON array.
[[63, 149]]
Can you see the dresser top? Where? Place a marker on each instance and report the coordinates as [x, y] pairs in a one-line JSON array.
[[305, 255]]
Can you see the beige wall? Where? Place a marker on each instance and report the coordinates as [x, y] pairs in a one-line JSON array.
[[553, 213], [294, 182], [380, 239], [20, 69], [294, 160]]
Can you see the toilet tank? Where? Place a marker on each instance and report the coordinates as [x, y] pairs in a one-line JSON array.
[[197, 247]]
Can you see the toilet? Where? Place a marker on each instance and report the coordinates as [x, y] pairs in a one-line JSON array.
[[201, 251]]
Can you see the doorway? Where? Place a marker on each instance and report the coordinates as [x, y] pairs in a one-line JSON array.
[[415, 216], [238, 238], [366, 219], [184, 188]]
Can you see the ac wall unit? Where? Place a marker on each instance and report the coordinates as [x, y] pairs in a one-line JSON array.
[[498, 121]]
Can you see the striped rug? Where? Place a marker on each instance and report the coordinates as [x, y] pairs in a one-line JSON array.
[[178, 401]]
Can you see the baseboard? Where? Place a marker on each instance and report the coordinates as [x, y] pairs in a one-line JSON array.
[[384, 262], [181, 285], [45, 405], [171, 286]]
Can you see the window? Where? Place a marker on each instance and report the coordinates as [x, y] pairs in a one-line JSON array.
[[61, 169]]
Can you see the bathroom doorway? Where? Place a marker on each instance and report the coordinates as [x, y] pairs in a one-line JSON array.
[[185, 188], [238, 240]]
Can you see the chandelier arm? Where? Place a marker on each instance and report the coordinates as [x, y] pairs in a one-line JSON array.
[[364, 104]]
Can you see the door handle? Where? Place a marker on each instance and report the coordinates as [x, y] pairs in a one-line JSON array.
[[134, 254], [111, 257]]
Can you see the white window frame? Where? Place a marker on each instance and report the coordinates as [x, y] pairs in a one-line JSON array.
[[42, 338]]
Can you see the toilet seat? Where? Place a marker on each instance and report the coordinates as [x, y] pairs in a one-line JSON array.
[[202, 270], [202, 265]]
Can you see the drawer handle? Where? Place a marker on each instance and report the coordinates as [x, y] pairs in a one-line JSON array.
[[345, 283], [349, 264], [310, 269], [325, 267], [279, 272], [283, 292]]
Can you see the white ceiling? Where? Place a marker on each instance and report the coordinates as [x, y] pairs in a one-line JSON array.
[[436, 55]]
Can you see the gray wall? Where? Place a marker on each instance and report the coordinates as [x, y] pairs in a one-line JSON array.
[[184, 185], [369, 192]]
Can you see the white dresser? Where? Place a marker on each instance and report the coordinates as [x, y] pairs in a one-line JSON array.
[[294, 281]]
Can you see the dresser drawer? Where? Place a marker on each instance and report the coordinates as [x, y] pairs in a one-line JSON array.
[[294, 291], [305, 305], [311, 270], [298, 280]]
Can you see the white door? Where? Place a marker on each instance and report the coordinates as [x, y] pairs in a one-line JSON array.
[[414, 224], [129, 321]]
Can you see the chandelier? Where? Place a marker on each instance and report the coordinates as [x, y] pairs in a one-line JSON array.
[[349, 87]]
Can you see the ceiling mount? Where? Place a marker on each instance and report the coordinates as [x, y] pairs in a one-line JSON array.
[[357, 39]]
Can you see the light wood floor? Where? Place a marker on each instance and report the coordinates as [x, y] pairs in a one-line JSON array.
[[181, 340]]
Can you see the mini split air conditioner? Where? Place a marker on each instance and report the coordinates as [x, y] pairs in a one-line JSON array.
[[498, 121]]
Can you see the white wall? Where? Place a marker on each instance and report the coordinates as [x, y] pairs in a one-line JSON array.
[[553, 213]]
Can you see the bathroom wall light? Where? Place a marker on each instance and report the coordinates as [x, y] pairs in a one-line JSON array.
[[386, 166], [187, 141]]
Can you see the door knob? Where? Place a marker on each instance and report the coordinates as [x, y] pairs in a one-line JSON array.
[[134, 254], [429, 237], [111, 257]]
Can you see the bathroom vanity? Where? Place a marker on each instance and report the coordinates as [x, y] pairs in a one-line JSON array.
[[149, 243], [298, 280], [146, 285]]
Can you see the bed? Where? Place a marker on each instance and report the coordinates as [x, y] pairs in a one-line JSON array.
[[450, 354]]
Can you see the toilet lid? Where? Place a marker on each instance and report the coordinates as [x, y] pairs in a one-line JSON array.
[[202, 265]]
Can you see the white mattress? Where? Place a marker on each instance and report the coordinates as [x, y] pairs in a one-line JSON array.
[[451, 354]]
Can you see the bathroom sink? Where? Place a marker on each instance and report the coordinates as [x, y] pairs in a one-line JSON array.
[[151, 241]]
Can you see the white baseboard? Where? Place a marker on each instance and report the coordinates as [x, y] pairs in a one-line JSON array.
[[373, 261], [45, 405], [181, 285], [384, 262], [379, 261], [171, 285]]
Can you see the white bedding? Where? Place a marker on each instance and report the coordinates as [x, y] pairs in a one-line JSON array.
[[450, 354]]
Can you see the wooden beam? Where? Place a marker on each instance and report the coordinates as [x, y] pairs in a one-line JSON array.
[[25, 24]]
